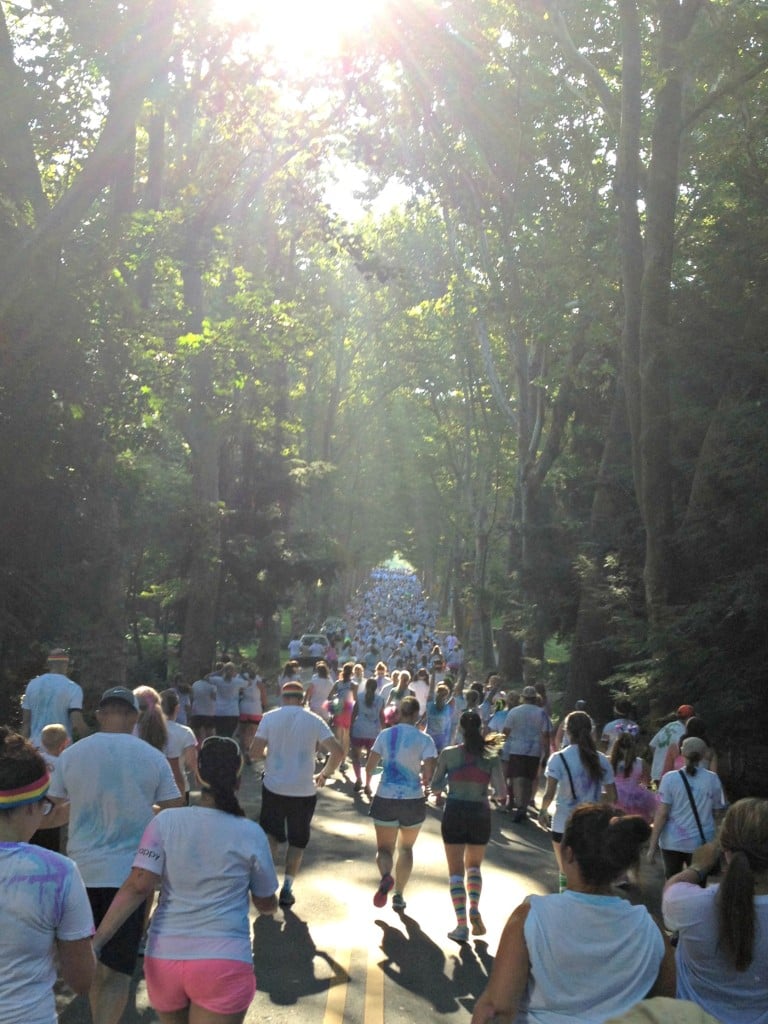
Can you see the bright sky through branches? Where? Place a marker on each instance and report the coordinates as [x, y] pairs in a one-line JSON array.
[[303, 32]]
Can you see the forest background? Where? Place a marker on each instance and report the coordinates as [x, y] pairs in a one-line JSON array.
[[541, 378]]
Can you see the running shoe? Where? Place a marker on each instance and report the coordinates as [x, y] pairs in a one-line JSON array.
[[398, 903], [459, 934], [286, 897], [357, 786], [477, 923], [385, 887]]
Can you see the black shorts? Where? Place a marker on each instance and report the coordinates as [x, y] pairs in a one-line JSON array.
[[225, 725], [466, 821], [520, 766], [287, 817], [122, 950], [398, 813], [201, 722]]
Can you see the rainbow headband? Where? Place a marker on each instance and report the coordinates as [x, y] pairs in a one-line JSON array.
[[29, 794]]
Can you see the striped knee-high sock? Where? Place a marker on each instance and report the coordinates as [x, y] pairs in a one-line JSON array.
[[459, 898], [474, 888]]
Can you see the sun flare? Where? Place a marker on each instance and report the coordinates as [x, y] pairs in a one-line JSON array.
[[302, 31]]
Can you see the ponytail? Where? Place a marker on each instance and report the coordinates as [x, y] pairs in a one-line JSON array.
[[218, 769]]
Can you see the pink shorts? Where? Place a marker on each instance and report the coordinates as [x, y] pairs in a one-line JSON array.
[[221, 986]]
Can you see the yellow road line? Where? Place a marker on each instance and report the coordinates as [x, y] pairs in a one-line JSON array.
[[337, 994], [373, 1011]]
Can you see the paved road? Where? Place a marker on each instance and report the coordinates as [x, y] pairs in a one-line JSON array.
[[341, 960]]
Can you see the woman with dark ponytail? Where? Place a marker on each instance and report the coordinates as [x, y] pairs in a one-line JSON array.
[[467, 770], [207, 860], [578, 774], [583, 954], [722, 949]]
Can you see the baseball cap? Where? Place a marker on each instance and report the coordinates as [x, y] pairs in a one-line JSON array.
[[293, 688], [120, 694], [529, 693], [685, 711], [693, 745]]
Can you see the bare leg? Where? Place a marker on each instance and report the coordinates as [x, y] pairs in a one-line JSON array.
[[386, 838], [197, 1015], [109, 995], [404, 865]]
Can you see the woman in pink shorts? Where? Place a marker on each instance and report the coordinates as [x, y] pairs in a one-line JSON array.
[[208, 859]]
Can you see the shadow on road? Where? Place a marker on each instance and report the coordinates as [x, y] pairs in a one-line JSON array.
[[414, 961], [287, 943]]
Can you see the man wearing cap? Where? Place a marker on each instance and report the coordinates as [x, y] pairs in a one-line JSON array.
[[53, 699], [289, 737], [526, 729], [668, 734], [114, 782]]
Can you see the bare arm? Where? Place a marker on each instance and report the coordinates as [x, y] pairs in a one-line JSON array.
[[509, 975], [666, 979], [77, 963], [265, 904], [427, 769], [332, 747], [79, 728], [177, 774], [659, 821], [161, 805], [258, 748], [132, 893]]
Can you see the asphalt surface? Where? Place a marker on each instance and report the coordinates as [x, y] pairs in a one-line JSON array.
[[336, 959]]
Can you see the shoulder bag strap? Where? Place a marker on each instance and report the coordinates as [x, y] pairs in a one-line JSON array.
[[694, 808], [570, 777]]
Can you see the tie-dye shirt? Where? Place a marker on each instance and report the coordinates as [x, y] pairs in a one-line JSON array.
[[402, 749]]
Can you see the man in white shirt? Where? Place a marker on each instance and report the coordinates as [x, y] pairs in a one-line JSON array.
[[289, 737], [113, 781], [667, 735], [53, 699]]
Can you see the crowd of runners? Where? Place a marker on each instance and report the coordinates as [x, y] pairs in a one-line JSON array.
[[390, 700]]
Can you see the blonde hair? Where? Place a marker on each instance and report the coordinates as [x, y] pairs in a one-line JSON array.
[[151, 725], [54, 738]]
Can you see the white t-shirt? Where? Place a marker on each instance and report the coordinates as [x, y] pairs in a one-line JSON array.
[[592, 958], [681, 832], [49, 700], [44, 899], [250, 698], [612, 731], [319, 688], [660, 744], [292, 734], [112, 781], [704, 974], [209, 862], [366, 724], [586, 789], [180, 738], [228, 695], [402, 750], [203, 697], [420, 689], [526, 723]]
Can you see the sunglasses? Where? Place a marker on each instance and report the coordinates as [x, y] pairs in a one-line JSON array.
[[46, 806]]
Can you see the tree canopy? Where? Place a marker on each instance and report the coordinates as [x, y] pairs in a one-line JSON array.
[[540, 375]]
